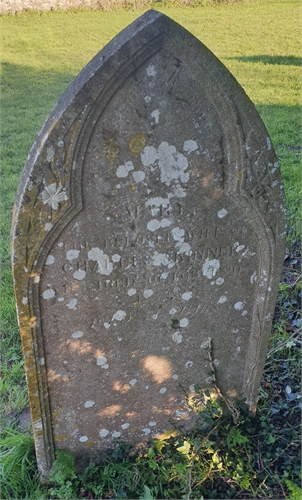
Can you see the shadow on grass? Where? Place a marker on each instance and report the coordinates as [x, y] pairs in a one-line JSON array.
[[266, 59], [28, 95]]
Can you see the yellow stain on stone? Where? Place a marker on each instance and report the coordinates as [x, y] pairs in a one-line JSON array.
[[60, 437], [32, 322], [112, 150], [137, 143], [89, 443], [133, 187]]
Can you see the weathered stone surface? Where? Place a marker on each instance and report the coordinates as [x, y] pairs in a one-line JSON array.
[[149, 219]]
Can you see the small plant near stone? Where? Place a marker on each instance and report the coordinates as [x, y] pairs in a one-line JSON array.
[[256, 457]]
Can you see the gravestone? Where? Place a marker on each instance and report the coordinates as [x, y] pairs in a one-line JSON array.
[[149, 223]]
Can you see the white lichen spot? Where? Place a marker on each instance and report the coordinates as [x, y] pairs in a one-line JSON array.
[[155, 115], [53, 195], [133, 381], [48, 226], [123, 170], [48, 294], [147, 293], [216, 362], [222, 213], [131, 292], [238, 247], [183, 322], [77, 335], [238, 349], [269, 289], [178, 236], [37, 424], [72, 254], [42, 362], [147, 98], [179, 192], [219, 281], [175, 377], [155, 224], [180, 413], [79, 274], [253, 278], [189, 364], [158, 201], [116, 434], [186, 296], [149, 156], [50, 260], [222, 299], [116, 257], [61, 299], [268, 317], [50, 153], [238, 306], [104, 264], [164, 276], [151, 71], [209, 380], [152, 423], [101, 361], [107, 325], [190, 146], [119, 315], [210, 268], [172, 311], [83, 439], [171, 163], [244, 313], [177, 337], [25, 301], [125, 425], [269, 144], [206, 343], [89, 403], [146, 431], [104, 433], [162, 259], [139, 176], [162, 390], [72, 304]]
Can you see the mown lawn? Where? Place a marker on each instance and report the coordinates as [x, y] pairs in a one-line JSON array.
[[260, 43]]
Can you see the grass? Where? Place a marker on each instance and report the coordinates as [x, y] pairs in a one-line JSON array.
[[260, 43]]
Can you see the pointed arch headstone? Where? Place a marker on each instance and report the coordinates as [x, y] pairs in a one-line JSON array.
[[149, 219]]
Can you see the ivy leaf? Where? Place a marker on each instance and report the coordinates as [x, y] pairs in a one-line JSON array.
[[185, 448]]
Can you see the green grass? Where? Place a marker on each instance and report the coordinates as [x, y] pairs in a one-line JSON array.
[[259, 42]]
